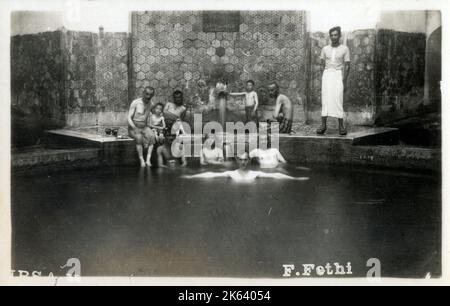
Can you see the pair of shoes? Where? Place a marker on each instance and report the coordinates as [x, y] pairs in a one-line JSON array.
[[342, 131], [321, 130]]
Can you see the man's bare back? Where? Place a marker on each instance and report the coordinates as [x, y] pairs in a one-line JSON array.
[[284, 110], [284, 106]]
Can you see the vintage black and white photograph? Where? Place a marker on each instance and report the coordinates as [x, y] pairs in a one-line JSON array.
[[280, 144]]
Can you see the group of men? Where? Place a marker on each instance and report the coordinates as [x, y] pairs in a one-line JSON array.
[[335, 59], [146, 135]]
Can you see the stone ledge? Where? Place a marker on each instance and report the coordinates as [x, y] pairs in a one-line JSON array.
[[369, 148], [87, 137], [50, 156], [400, 157]]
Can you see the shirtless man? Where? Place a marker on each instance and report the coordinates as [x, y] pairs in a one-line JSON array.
[[284, 110], [137, 125], [174, 111], [243, 174]]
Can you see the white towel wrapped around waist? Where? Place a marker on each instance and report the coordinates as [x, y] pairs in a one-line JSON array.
[[332, 93]]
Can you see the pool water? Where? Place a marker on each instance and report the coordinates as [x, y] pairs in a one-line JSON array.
[[128, 221]]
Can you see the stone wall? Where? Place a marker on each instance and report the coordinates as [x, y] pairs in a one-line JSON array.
[[180, 50], [433, 73], [400, 75], [67, 78], [36, 86], [359, 100]]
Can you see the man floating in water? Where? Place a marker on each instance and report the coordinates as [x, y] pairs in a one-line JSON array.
[[138, 128], [243, 174], [336, 66]]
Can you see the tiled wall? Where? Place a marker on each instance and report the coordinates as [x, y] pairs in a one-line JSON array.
[[96, 78], [96, 71], [170, 50], [111, 72], [80, 78], [79, 50]]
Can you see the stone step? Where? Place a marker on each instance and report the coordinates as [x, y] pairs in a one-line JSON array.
[[371, 147], [366, 136], [66, 138], [44, 156]]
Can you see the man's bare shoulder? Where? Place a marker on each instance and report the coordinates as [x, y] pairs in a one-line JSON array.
[[283, 99], [136, 102]]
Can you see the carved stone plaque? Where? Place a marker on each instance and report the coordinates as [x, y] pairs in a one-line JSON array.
[[221, 21]]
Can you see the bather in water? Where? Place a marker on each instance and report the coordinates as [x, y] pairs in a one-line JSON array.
[[243, 174], [267, 157], [170, 151], [210, 154]]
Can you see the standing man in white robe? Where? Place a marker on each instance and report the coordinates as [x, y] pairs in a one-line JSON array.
[[336, 65]]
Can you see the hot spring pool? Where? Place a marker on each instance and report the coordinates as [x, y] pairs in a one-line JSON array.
[[128, 221]]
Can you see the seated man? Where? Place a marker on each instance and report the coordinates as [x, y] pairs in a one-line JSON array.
[[243, 174], [284, 110], [268, 157], [171, 151], [138, 128], [174, 111], [210, 154]]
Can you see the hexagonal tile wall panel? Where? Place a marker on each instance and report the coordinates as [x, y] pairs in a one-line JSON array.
[[188, 55]]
